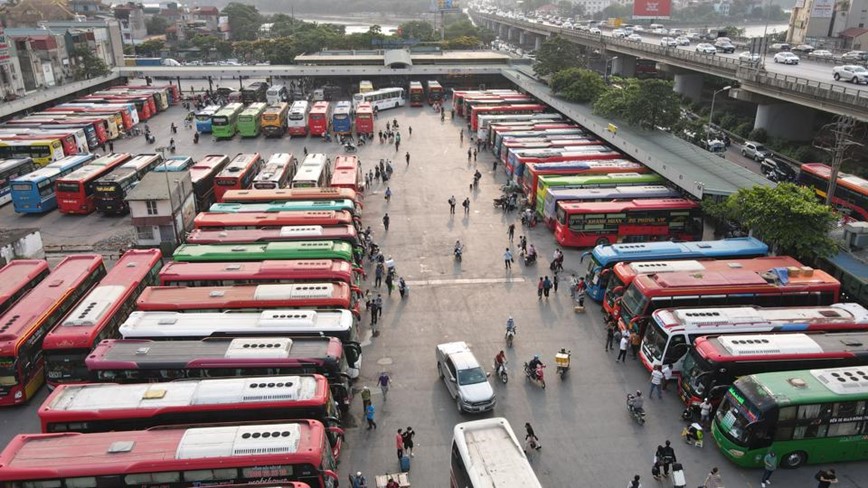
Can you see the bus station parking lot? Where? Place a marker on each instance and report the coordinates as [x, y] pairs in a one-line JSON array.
[[588, 438]]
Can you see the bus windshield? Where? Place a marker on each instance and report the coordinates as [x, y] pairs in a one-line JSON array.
[[7, 372], [632, 303], [693, 371], [738, 412]]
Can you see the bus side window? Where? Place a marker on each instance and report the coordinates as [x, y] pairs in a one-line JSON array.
[[462, 479]]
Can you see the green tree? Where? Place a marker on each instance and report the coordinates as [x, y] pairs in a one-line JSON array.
[[281, 51], [578, 84], [151, 47], [733, 31], [463, 42], [557, 54], [615, 10], [647, 103], [88, 65], [788, 217], [417, 29], [156, 25], [244, 21]]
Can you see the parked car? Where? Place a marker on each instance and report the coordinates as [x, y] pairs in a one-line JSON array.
[[821, 53], [754, 150], [786, 58], [705, 48], [780, 46], [748, 57], [668, 42], [724, 46], [851, 72], [634, 38], [682, 41], [777, 170], [803, 48], [465, 379], [855, 56]]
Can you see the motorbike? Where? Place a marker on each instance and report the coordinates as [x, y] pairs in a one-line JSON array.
[[562, 360], [350, 147], [535, 375], [510, 335], [362, 141], [502, 372], [638, 415], [529, 221], [501, 202], [529, 259], [326, 137], [458, 251]]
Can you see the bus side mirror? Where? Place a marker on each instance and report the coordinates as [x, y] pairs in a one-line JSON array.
[[618, 290]]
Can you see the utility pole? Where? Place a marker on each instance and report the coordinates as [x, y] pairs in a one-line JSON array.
[[842, 131]]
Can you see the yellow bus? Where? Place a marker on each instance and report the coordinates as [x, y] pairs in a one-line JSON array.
[[41, 152], [274, 120], [365, 86]]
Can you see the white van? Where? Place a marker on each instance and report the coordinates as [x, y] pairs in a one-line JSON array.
[[277, 94]]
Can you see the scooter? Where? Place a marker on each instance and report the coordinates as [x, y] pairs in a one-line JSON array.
[[638, 415], [529, 259], [502, 372], [510, 335], [562, 360], [350, 147], [458, 252], [535, 375]]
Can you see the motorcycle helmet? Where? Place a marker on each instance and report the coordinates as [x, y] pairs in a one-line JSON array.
[[638, 393], [536, 356]]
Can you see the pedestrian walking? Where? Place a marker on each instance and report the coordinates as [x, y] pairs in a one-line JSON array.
[[461, 134], [475, 152], [656, 379], [410, 130], [409, 434], [510, 231], [469, 154], [174, 128], [378, 275], [622, 348], [667, 375], [522, 244], [826, 478], [388, 192], [555, 281], [705, 411], [666, 457], [452, 205], [634, 483], [713, 479], [770, 464], [366, 398], [402, 287], [407, 157], [369, 416], [539, 289], [388, 126], [507, 259], [466, 205], [305, 151], [530, 438], [390, 283], [635, 342], [384, 381], [397, 145], [610, 336], [111, 146], [378, 310], [358, 481], [386, 221], [547, 286], [655, 464], [399, 444]]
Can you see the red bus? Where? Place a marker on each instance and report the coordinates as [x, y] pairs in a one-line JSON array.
[[121, 114], [143, 108], [417, 94], [851, 192], [533, 171], [650, 292], [125, 360], [202, 175], [106, 407], [518, 160], [248, 297], [558, 141], [75, 191], [493, 101], [28, 321], [603, 223], [19, 277], [174, 456], [98, 316], [318, 118], [435, 92], [264, 220], [347, 174], [260, 272], [173, 91], [238, 174], [291, 194], [458, 96], [344, 233], [365, 119], [623, 274]]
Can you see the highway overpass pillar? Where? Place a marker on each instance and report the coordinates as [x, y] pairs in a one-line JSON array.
[[521, 37], [624, 65], [786, 120], [537, 42], [689, 85], [511, 33]]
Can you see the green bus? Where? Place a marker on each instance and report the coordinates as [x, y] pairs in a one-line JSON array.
[[287, 206], [591, 181], [807, 417], [250, 120], [224, 123], [210, 253]]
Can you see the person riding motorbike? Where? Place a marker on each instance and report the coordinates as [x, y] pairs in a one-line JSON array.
[[457, 250], [534, 364], [637, 403], [531, 252], [499, 360], [510, 324]]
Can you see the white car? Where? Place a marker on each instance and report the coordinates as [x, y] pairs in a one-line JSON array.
[[465, 379], [634, 38], [660, 31], [786, 57], [638, 28], [619, 33], [851, 72], [821, 53], [668, 42], [595, 30], [748, 57], [705, 48], [682, 41]]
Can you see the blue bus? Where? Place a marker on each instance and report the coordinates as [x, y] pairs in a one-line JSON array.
[[34, 192], [342, 118], [203, 118], [174, 164], [603, 258]]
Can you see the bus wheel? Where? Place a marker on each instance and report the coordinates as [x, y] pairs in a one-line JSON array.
[[794, 459], [603, 241]]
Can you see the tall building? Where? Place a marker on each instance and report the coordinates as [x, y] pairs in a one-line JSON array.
[[829, 23]]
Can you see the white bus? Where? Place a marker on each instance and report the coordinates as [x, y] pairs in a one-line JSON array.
[[277, 94], [276, 173], [297, 118], [485, 121], [381, 99], [269, 323], [314, 172], [486, 454]]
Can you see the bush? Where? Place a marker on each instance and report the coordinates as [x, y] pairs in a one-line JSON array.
[[759, 135], [806, 154], [727, 121], [743, 129]]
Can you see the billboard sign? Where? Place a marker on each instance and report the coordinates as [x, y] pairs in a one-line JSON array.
[[823, 9], [4, 48], [446, 5], [652, 9]]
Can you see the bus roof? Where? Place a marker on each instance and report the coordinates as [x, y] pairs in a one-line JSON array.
[[586, 165], [678, 283], [154, 397], [238, 164], [207, 166], [785, 319], [284, 233], [272, 219], [494, 456], [18, 274], [284, 206], [615, 192], [263, 270], [763, 263], [747, 347], [96, 166], [153, 325], [621, 206], [284, 295], [642, 251], [811, 386], [855, 183], [289, 194], [258, 251]]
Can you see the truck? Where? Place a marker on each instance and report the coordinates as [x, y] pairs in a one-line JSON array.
[[134, 61]]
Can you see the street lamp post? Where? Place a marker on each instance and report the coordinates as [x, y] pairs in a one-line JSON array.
[[606, 73], [711, 112]]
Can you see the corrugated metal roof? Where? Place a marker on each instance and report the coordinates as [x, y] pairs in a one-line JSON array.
[[395, 58]]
